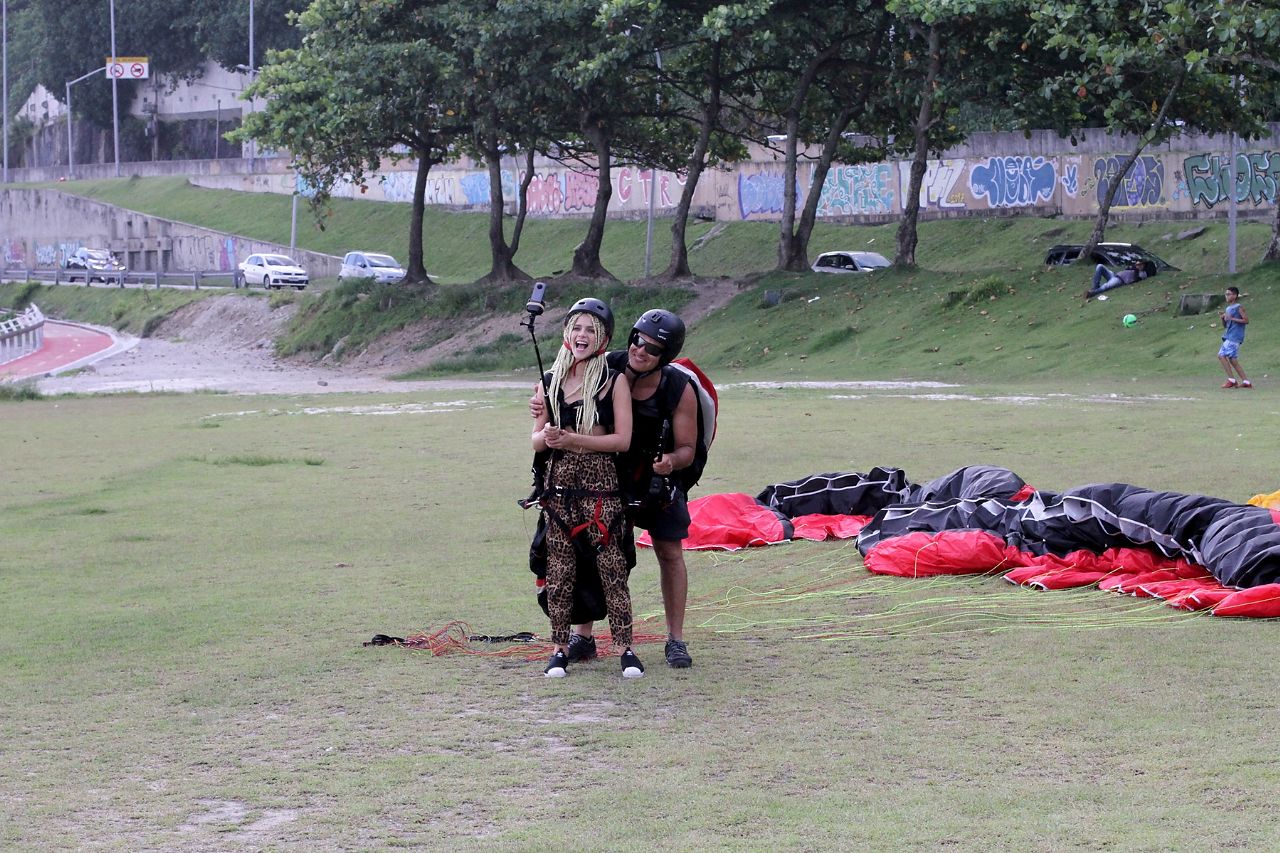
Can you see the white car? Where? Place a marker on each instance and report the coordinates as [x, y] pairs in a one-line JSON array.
[[850, 262], [274, 271], [371, 265]]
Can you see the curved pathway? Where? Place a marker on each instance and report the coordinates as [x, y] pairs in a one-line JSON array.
[[66, 346]]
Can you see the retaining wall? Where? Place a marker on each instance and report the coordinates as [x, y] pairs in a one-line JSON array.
[[40, 228]]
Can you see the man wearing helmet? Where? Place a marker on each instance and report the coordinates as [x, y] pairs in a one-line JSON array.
[[660, 395]]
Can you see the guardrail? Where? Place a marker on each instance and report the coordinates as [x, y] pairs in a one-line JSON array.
[[196, 279], [21, 335]]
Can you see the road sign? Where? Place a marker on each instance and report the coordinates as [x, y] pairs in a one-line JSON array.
[[128, 67]]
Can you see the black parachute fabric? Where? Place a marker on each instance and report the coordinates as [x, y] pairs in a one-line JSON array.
[[1237, 543]]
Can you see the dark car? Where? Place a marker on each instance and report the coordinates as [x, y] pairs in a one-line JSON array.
[[93, 265], [1113, 256]]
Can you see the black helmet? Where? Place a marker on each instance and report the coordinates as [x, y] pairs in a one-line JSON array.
[[665, 328], [596, 308]]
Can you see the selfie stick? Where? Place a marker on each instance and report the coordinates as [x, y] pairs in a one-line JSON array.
[[535, 307]]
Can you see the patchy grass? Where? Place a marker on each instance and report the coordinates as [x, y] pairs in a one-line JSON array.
[[200, 640]]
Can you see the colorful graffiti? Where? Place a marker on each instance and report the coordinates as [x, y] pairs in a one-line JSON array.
[[1142, 185], [853, 190], [938, 187], [545, 194], [760, 193], [1013, 181], [1070, 179], [580, 189], [398, 186], [15, 252], [1255, 177], [475, 187]]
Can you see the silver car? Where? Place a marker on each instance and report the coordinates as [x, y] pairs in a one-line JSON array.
[[850, 262], [371, 265]]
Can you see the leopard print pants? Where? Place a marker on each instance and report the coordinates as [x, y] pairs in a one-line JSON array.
[[595, 472]]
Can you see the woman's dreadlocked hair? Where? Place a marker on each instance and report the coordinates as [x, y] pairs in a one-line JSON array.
[[593, 377]]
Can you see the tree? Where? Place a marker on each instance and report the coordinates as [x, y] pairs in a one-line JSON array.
[[1149, 68], [948, 54], [368, 82], [221, 29], [80, 30], [825, 67]]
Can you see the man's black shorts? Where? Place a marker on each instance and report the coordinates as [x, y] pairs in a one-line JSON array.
[[667, 522]]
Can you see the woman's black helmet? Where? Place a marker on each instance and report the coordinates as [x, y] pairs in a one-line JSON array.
[[665, 328], [596, 308]]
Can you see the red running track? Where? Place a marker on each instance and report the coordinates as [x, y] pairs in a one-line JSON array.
[[63, 344]]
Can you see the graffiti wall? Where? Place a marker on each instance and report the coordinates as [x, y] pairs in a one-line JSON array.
[[1000, 173]]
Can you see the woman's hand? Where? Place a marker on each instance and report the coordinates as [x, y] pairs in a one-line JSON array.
[[559, 439]]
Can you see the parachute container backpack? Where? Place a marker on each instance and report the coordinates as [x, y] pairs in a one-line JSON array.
[[708, 412]]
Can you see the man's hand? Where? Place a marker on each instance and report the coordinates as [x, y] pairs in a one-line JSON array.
[[537, 406]]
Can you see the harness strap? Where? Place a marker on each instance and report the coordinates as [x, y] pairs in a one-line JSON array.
[[594, 522]]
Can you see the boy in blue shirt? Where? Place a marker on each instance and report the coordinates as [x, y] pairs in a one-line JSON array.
[[1234, 319]]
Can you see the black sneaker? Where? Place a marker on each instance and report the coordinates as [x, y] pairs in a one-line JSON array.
[[581, 648], [557, 667], [631, 666], [678, 654]]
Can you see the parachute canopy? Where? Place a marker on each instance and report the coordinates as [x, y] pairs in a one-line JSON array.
[[1194, 552]]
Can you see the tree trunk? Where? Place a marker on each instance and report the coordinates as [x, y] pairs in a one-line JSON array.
[[1273, 249], [799, 261], [679, 266], [788, 256], [1104, 203], [416, 272], [586, 257], [502, 267], [522, 201], [907, 234]]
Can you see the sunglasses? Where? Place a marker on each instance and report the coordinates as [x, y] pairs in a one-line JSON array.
[[652, 349]]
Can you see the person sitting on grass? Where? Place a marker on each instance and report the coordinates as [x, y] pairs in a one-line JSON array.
[[1137, 272]]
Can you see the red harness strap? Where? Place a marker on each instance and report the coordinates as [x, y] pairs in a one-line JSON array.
[[595, 522]]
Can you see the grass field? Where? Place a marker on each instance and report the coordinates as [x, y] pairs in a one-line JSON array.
[[188, 580]]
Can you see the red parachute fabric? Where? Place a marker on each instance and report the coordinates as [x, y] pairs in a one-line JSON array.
[[957, 552], [728, 522], [818, 527], [1139, 572], [1259, 602]]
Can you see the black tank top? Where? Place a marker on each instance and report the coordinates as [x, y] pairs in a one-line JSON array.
[[604, 405]]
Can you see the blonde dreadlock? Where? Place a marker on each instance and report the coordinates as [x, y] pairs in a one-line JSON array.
[[593, 377]]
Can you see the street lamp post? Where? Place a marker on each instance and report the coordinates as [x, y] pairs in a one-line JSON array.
[[115, 96], [71, 154], [5, 39], [253, 145], [653, 188]]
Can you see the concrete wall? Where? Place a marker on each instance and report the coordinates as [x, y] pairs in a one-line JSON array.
[[40, 228], [1191, 177], [992, 173]]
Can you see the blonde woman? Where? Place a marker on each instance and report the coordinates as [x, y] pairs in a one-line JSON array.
[[587, 424]]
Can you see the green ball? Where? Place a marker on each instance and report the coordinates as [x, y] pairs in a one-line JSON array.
[[1130, 320]]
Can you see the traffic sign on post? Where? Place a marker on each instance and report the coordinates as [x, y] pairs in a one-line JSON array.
[[128, 67]]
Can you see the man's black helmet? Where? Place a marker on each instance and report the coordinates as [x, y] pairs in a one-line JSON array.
[[665, 328], [595, 308]]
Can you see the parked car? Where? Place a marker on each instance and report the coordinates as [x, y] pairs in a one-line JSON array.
[[274, 271], [1114, 256], [97, 264], [371, 265], [850, 262]]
